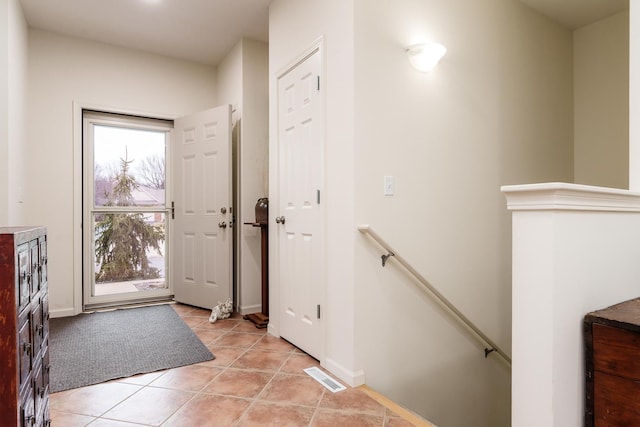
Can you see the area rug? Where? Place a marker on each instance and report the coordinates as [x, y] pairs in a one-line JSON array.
[[92, 348]]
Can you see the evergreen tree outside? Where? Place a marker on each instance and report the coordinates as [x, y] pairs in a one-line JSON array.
[[123, 239]]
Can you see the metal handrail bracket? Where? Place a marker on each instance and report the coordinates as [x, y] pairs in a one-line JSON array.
[[490, 346]]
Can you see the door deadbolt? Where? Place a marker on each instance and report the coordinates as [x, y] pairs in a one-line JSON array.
[[280, 220], [223, 210]]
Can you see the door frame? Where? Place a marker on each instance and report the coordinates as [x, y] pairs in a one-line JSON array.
[[274, 197], [78, 107]]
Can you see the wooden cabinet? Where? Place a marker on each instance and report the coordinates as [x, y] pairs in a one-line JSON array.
[[24, 327], [612, 366]]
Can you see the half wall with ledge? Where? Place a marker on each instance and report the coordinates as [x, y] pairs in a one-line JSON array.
[[576, 249]]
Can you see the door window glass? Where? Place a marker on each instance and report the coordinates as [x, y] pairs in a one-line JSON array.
[[125, 209]]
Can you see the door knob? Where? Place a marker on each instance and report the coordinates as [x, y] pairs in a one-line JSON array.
[[222, 224], [280, 220]]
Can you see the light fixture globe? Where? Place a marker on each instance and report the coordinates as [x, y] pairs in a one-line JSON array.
[[425, 56]]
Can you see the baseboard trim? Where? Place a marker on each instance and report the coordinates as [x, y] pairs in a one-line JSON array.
[[64, 312], [273, 330], [248, 309], [403, 412], [352, 378]]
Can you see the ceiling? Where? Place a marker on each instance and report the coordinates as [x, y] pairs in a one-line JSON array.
[[196, 30], [205, 30], [577, 13]]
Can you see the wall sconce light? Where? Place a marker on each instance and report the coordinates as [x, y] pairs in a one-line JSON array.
[[424, 57]]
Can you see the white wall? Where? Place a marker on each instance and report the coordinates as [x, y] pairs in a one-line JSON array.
[[229, 79], [243, 82], [294, 27], [496, 110], [18, 119], [575, 250], [634, 96], [13, 114], [4, 112], [601, 102], [63, 70]]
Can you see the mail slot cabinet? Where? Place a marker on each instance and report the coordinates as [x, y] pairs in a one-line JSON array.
[[24, 332]]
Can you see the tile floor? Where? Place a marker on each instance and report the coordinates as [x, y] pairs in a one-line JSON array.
[[255, 380]]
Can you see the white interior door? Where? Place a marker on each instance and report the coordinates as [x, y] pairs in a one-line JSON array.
[[202, 235], [300, 219]]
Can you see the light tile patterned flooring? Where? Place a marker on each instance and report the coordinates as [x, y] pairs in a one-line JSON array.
[[255, 380]]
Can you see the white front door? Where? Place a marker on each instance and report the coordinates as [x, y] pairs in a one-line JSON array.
[[299, 209], [202, 235]]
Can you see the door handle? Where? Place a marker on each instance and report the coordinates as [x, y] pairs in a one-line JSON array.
[[279, 220], [222, 224]]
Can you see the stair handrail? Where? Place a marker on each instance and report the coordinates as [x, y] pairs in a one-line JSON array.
[[490, 346]]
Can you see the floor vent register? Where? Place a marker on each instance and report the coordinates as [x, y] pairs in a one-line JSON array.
[[324, 379]]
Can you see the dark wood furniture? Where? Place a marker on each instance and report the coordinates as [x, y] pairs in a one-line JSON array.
[[612, 362], [261, 320], [24, 327]]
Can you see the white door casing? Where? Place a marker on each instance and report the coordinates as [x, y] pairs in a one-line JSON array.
[[202, 235], [299, 232]]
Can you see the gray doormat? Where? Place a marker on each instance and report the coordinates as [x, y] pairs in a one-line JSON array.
[[93, 348]]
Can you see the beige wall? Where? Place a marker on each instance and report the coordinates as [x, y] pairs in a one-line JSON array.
[[254, 168], [243, 82], [13, 112], [229, 84], [4, 112], [65, 70], [497, 110], [601, 102], [229, 80]]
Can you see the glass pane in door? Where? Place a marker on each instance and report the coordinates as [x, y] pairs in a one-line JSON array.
[[129, 252], [129, 167]]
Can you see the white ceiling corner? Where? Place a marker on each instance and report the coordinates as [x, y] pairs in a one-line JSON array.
[[578, 13], [195, 30]]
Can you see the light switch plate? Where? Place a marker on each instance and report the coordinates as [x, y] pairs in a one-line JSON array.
[[388, 185]]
